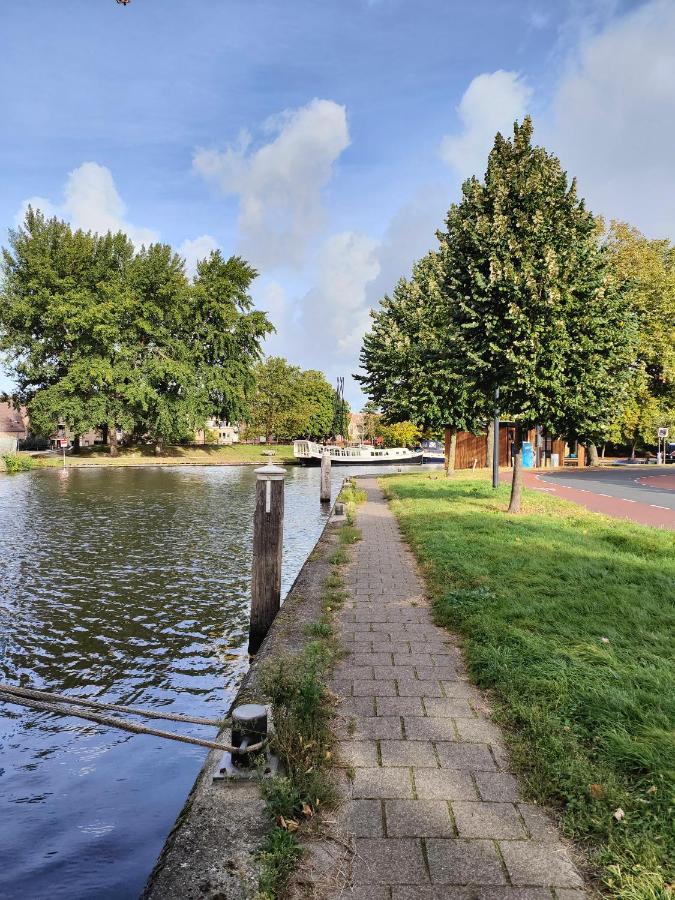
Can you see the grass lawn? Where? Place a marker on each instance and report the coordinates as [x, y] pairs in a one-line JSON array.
[[236, 454], [569, 618]]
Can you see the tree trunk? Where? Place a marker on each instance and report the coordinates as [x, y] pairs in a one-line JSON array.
[[490, 444], [451, 452], [104, 434], [517, 480], [112, 440], [604, 447], [592, 454], [632, 450], [76, 443], [158, 447]]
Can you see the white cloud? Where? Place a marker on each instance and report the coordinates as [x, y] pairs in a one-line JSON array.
[[279, 185], [91, 202], [193, 251], [491, 103], [613, 120]]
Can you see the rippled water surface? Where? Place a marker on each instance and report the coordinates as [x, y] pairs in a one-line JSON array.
[[130, 586]]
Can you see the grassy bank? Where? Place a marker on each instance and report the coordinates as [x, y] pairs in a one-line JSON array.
[[234, 455], [568, 617]]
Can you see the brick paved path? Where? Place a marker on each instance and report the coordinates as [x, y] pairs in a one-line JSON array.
[[432, 808]]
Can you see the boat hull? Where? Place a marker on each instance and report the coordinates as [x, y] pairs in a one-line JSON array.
[[415, 460]]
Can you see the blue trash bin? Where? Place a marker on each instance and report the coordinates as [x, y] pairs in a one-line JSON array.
[[528, 455]]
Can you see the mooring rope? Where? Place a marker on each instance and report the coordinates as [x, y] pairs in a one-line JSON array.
[[50, 697], [122, 724]]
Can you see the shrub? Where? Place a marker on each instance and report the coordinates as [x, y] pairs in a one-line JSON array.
[[15, 463]]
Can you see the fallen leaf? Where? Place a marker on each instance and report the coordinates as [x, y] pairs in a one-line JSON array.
[[652, 789], [604, 640], [307, 810], [596, 790], [292, 825], [619, 814]]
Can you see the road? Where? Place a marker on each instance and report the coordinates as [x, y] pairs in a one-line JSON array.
[[643, 495]]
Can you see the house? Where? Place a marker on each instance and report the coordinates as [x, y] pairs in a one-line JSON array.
[[13, 428], [226, 433], [472, 449], [356, 428]]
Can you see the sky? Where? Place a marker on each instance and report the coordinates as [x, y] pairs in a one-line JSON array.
[[324, 140]]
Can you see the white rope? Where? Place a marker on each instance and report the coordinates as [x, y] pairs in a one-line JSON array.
[[50, 697], [122, 724]]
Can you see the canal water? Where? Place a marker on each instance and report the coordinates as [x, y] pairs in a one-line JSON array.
[[129, 586]]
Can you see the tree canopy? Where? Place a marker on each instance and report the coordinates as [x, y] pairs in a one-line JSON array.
[[98, 334], [290, 403], [517, 298]]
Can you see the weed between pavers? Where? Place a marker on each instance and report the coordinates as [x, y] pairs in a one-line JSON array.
[[303, 739]]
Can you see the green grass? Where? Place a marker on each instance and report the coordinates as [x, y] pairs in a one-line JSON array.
[[568, 617], [235, 454]]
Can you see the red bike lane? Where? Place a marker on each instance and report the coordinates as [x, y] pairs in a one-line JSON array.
[[642, 512]]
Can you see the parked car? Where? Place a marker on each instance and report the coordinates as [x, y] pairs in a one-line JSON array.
[[670, 452]]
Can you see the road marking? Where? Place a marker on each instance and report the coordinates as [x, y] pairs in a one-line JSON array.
[[626, 500], [604, 495], [656, 506]]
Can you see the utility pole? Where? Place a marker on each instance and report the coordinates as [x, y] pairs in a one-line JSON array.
[[495, 445]]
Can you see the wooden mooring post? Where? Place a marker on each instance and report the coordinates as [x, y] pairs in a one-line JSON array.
[[325, 477], [268, 530]]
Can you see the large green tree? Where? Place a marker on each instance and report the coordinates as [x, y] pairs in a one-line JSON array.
[[644, 270], [98, 335], [535, 313], [415, 365], [290, 403]]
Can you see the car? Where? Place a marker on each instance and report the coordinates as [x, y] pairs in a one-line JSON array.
[[670, 452]]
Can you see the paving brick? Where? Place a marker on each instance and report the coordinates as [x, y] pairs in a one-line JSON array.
[[435, 673], [488, 820], [399, 706], [418, 818], [382, 783], [457, 861], [371, 728], [478, 730], [428, 728], [458, 688], [497, 786], [452, 707], [389, 861], [384, 673], [358, 753], [374, 688], [570, 894], [370, 659], [360, 673], [361, 818], [534, 863], [538, 823], [407, 753], [412, 687], [356, 706], [412, 659], [443, 784], [472, 757]]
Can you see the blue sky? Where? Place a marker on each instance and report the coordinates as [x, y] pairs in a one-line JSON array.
[[324, 139]]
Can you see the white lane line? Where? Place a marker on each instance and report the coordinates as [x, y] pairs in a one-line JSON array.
[[656, 506], [604, 495], [626, 500]]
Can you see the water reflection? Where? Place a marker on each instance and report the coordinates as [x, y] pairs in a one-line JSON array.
[[128, 585]]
